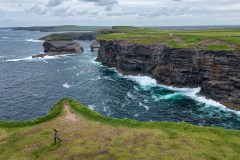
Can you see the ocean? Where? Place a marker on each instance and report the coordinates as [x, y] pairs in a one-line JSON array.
[[30, 87]]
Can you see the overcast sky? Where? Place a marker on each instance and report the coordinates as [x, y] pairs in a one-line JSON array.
[[119, 12]]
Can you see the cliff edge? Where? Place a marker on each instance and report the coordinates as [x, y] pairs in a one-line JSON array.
[[216, 72]]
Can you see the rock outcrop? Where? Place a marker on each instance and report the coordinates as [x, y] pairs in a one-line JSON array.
[[74, 35], [216, 72], [95, 45], [59, 47]]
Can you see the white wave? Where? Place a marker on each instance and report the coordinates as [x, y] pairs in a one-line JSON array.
[[92, 107], [49, 57], [66, 85], [35, 95], [136, 115], [143, 105], [143, 80], [20, 59], [104, 109], [34, 40], [71, 68], [95, 79], [130, 95], [45, 61], [33, 59], [165, 97], [5, 37], [136, 88], [148, 82]]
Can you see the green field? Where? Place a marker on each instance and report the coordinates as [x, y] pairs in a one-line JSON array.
[[88, 135], [58, 37], [221, 39]]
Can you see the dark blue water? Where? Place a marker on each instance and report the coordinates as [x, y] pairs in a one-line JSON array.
[[29, 88]]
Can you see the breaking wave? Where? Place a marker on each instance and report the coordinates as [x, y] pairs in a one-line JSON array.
[[66, 85], [34, 40]]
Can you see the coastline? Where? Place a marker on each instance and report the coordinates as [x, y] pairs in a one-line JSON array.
[[78, 108], [213, 71]]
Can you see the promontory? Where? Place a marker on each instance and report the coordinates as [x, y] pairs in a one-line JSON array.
[[208, 59]]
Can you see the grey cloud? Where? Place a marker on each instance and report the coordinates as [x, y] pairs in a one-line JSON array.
[[41, 8], [53, 3], [37, 9], [107, 3], [61, 11]]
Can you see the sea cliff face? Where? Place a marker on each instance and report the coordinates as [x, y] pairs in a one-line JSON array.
[[216, 72]]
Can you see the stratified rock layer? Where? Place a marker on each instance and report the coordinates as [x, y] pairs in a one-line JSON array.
[[216, 72]]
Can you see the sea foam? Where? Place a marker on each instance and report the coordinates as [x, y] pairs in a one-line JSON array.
[[148, 82], [91, 107], [35, 59], [34, 40], [66, 85], [20, 59]]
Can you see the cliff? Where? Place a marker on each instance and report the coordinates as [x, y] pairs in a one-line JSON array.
[[216, 72]]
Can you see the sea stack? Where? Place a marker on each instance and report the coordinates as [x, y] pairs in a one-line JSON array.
[[95, 45], [58, 46]]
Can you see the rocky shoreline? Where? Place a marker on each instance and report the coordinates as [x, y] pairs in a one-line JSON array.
[[216, 72]]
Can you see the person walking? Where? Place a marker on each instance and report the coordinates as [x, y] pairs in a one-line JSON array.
[[56, 136]]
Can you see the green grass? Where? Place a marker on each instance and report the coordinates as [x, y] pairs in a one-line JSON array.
[[226, 39], [95, 136], [57, 37]]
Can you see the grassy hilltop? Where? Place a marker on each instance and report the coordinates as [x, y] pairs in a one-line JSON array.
[[218, 39], [89, 135]]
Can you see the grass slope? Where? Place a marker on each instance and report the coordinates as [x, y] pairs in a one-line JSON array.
[[94, 136], [221, 39]]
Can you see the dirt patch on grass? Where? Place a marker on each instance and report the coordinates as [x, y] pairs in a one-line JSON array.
[[69, 116]]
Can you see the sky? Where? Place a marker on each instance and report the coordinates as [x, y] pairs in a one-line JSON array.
[[119, 12]]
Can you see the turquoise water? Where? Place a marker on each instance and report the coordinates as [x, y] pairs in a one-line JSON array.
[[29, 87]]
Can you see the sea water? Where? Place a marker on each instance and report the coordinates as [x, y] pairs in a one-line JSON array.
[[30, 87]]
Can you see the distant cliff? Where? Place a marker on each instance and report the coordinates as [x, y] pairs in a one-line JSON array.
[[216, 72]]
